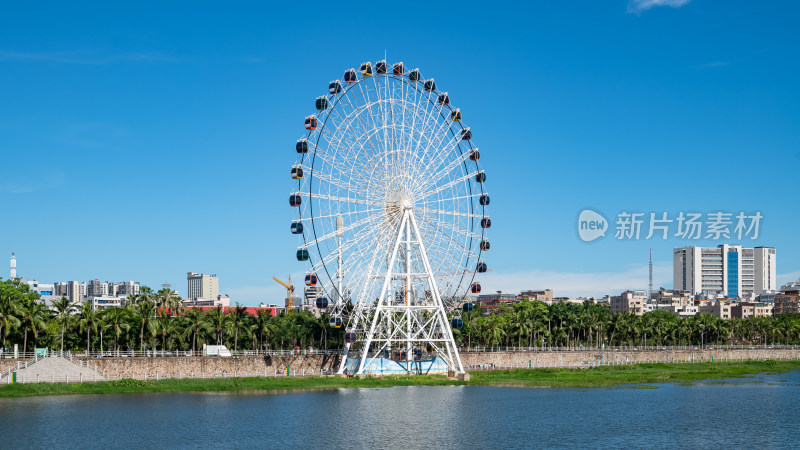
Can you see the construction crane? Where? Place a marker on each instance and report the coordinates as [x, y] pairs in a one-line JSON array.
[[289, 292]]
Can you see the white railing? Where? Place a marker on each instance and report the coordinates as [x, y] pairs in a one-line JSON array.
[[688, 359], [477, 349], [626, 348], [186, 353]]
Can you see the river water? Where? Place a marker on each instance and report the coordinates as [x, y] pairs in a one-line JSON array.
[[762, 412]]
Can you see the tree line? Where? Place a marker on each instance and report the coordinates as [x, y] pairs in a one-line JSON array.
[[157, 321], [151, 321], [536, 324]]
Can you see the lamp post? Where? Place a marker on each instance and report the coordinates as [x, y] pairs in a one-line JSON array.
[[701, 339]]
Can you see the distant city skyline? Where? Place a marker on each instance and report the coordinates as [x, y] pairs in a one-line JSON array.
[[143, 146]]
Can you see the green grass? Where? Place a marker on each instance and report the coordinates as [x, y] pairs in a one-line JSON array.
[[627, 375], [635, 376]]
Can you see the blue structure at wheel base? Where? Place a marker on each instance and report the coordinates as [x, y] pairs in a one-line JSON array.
[[385, 366]]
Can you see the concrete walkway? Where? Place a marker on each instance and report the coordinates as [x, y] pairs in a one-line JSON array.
[[54, 368]]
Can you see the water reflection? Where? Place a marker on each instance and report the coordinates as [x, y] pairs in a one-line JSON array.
[[760, 414]]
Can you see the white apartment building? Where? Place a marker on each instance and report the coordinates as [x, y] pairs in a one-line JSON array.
[[202, 286], [732, 270]]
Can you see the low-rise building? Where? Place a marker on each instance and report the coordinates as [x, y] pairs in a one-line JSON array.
[[744, 310], [672, 297], [488, 302], [650, 307], [793, 286], [545, 296], [629, 302], [221, 300], [683, 311], [788, 301], [106, 301], [719, 308]]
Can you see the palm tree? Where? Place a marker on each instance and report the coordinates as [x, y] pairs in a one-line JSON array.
[[89, 320], [237, 318], [63, 309], [195, 320], [116, 320], [617, 325], [167, 299], [263, 316], [8, 311], [32, 315], [218, 320], [165, 327], [145, 310], [495, 329], [521, 324]]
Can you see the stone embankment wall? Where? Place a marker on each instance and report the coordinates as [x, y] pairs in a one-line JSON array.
[[315, 364], [10, 363], [588, 357], [198, 366]]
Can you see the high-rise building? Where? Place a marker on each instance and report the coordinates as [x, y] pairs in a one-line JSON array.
[[764, 270], [60, 289], [202, 285], [96, 288], [127, 288], [731, 270], [75, 291]]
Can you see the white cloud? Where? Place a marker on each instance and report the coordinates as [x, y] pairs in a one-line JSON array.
[[563, 284], [787, 278], [579, 284], [637, 6], [89, 57]]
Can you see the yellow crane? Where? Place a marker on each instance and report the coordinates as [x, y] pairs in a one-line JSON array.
[[289, 292]]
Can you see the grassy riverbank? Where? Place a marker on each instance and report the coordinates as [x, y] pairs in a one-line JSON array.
[[561, 378]]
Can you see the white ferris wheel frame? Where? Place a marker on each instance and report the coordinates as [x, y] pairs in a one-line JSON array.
[[386, 158]]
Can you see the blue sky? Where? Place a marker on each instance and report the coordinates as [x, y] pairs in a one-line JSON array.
[[144, 141]]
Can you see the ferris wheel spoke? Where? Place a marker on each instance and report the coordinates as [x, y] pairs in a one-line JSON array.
[[440, 127], [452, 183], [340, 199], [354, 188], [430, 201], [443, 225], [337, 214], [452, 213], [336, 232], [343, 165], [328, 259], [451, 165], [445, 150]]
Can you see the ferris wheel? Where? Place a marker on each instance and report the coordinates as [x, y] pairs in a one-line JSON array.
[[391, 215]]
